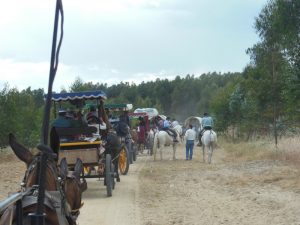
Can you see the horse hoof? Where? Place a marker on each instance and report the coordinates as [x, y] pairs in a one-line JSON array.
[[118, 179]]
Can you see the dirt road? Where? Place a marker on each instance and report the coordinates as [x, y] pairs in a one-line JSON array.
[[261, 192], [121, 208], [192, 192]]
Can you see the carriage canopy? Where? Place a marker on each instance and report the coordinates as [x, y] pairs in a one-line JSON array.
[[195, 121], [56, 97]]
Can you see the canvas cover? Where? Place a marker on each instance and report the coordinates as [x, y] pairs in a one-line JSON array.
[[194, 120]]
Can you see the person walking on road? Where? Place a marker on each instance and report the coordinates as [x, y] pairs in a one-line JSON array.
[[190, 136]]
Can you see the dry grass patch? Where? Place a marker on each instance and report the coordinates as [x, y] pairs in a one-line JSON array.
[[246, 151], [281, 164], [288, 150]]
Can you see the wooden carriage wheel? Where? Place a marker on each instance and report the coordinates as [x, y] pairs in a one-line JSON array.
[[123, 160]]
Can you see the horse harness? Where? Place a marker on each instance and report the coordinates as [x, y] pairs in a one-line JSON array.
[[54, 200], [72, 175]]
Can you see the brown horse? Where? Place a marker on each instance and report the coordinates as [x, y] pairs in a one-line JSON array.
[[137, 141], [55, 206], [73, 186]]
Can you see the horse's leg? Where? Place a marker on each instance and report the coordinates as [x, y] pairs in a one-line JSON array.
[[160, 151], [174, 151], [203, 152], [116, 163], [154, 150], [210, 152]]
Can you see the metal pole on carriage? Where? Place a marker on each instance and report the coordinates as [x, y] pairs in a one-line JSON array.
[[38, 218]]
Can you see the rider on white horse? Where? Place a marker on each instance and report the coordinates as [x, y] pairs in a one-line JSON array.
[[167, 127], [207, 124], [174, 123]]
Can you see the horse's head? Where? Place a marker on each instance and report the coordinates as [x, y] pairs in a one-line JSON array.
[[134, 135], [73, 185], [32, 177], [32, 161]]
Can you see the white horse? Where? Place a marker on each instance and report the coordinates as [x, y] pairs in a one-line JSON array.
[[162, 139], [209, 142], [150, 140], [178, 129]]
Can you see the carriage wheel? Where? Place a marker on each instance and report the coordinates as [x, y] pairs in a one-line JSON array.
[[108, 177], [123, 160]]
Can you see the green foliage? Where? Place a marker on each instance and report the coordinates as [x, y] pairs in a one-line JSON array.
[[21, 114]]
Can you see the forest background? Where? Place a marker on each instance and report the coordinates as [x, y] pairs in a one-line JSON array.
[[263, 99]]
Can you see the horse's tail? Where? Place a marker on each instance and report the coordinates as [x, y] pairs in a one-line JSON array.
[[215, 139]]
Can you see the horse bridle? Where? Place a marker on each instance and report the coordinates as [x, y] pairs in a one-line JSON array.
[[72, 175], [34, 164], [50, 197]]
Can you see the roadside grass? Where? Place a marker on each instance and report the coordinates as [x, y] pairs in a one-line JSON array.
[[286, 158], [287, 150], [246, 151]]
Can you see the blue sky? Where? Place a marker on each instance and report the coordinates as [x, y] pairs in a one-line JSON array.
[[125, 40]]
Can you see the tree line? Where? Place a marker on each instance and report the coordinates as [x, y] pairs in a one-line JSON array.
[[263, 98]]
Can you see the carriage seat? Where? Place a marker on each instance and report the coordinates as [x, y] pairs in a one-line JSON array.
[[73, 131]]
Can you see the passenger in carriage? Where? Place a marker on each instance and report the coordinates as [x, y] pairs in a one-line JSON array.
[[93, 118], [92, 114], [78, 120], [123, 126], [62, 120], [124, 117]]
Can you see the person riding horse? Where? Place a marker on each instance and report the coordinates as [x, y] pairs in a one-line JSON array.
[[167, 127], [207, 124]]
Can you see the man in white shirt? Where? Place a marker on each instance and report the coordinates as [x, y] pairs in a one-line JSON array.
[[190, 136]]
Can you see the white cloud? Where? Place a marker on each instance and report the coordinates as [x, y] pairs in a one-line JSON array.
[[36, 75], [110, 41]]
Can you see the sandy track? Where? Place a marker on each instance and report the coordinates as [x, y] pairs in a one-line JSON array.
[[121, 208]]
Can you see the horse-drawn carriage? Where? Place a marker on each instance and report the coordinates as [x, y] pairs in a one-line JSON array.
[[89, 140], [118, 116], [195, 121], [140, 128]]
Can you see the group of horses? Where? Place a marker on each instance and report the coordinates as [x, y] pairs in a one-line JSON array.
[[163, 138]]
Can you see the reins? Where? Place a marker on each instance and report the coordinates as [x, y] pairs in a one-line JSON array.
[[38, 216], [77, 210]]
